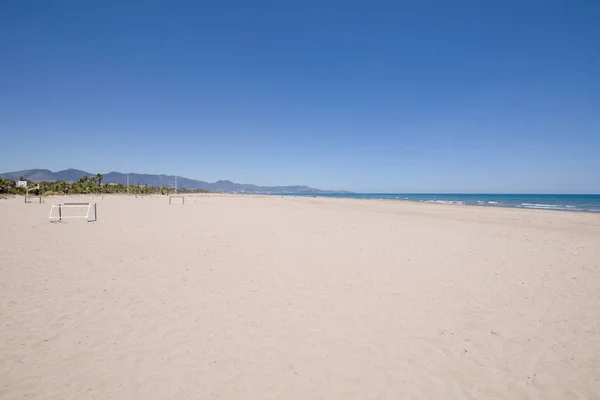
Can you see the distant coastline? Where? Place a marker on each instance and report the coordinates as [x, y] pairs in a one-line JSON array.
[[168, 182]]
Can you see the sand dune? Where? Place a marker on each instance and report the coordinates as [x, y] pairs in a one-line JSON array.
[[298, 298]]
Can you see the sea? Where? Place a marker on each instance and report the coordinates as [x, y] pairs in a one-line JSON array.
[[561, 202]]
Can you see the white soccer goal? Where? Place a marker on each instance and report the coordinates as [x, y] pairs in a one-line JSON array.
[[33, 199], [176, 200], [61, 211], [194, 196]]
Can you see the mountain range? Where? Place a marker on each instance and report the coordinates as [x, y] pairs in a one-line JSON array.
[[73, 175]]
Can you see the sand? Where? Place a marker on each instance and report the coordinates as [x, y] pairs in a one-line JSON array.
[[237, 297]]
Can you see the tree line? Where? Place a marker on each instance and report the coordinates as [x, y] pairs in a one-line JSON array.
[[86, 185]]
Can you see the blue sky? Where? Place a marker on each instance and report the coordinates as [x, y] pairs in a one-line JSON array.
[[373, 96]]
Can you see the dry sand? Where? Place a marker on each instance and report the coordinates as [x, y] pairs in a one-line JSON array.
[[298, 298]]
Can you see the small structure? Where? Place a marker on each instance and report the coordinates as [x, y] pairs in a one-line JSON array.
[[96, 197], [61, 211], [176, 199]]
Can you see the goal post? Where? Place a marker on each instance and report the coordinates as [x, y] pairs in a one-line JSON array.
[[33, 199], [176, 200], [60, 211]]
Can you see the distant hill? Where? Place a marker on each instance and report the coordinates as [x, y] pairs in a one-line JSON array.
[[39, 175], [73, 175]]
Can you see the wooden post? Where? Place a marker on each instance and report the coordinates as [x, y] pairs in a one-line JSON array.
[[59, 213]]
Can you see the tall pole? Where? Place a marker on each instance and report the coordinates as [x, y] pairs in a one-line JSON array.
[[127, 183], [175, 183]]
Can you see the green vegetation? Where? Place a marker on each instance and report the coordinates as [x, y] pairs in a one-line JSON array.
[[87, 185]]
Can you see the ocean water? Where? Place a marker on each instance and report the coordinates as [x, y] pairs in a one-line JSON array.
[[562, 202]]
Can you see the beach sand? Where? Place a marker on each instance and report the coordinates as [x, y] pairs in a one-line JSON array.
[[242, 297]]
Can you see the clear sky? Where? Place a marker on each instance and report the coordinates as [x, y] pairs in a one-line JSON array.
[[373, 96]]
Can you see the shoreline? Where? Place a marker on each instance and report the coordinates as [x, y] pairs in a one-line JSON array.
[[415, 202], [324, 197], [333, 198]]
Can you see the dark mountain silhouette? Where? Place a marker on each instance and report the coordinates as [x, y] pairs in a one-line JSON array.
[[168, 181]]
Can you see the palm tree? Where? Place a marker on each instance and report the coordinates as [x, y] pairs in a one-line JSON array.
[[7, 184], [61, 186], [82, 185]]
